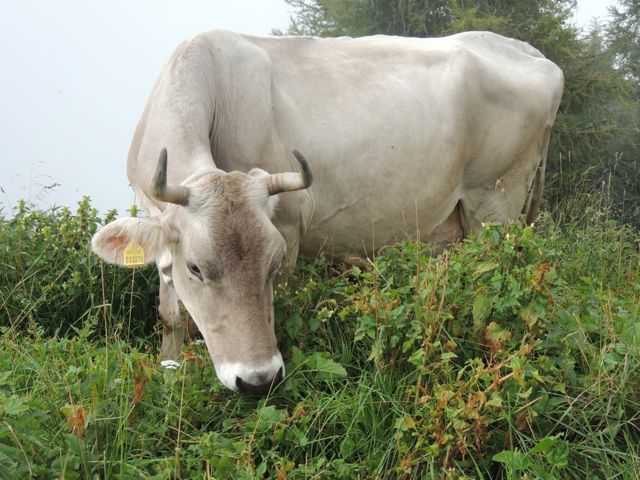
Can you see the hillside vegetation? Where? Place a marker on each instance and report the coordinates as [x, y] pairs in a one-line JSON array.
[[516, 354]]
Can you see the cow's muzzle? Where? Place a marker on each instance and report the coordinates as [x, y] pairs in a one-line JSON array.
[[262, 389], [252, 378]]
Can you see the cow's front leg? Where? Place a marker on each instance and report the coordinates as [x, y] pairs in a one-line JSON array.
[[173, 321]]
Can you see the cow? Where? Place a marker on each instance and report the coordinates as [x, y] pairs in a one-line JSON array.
[[252, 151]]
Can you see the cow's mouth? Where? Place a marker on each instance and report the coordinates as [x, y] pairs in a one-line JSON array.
[[262, 389]]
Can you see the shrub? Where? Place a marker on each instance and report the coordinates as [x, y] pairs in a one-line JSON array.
[[51, 279]]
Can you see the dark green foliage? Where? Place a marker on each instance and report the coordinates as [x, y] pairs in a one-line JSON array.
[[515, 353], [489, 341], [413, 18], [624, 36], [595, 141], [623, 44], [50, 279]]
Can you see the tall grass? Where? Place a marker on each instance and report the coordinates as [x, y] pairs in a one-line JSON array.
[[516, 354], [50, 279]]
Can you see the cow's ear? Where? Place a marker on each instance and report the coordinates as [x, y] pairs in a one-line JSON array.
[[110, 241]]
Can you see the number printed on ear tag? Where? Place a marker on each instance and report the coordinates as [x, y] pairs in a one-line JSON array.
[[133, 255]]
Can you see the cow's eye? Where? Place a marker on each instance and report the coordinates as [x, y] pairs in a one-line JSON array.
[[195, 271]]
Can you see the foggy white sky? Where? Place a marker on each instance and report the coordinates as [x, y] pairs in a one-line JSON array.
[[76, 75]]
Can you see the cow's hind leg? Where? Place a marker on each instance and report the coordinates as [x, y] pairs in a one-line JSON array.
[[490, 204], [447, 232], [174, 322], [502, 198]]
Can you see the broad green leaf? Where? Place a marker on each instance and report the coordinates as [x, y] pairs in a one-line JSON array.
[[346, 447], [293, 325], [485, 267], [558, 456], [612, 359], [543, 445], [495, 401], [541, 473], [267, 418], [481, 310], [512, 459], [15, 406], [5, 378], [297, 357], [448, 356], [326, 365], [529, 315], [621, 348]]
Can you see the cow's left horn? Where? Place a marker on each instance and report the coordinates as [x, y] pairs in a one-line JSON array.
[[290, 181], [177, 194]]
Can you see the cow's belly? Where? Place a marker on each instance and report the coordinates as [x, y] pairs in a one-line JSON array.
[[396, 212]]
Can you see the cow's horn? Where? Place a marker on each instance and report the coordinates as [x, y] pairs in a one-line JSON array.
[[177, 194], [288, 182]]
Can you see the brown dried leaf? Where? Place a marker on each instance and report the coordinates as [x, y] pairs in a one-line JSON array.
[[538, 274], [76, 419], [140, 378]]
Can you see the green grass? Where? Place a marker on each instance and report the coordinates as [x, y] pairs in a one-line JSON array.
[[514, 355]]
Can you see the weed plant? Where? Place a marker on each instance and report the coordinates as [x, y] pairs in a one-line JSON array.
[[50, 280], [515, 354]]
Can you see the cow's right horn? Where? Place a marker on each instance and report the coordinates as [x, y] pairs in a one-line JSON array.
[[177, 194], [290, 181]]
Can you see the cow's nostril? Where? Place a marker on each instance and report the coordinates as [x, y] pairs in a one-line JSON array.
[[262, 389]]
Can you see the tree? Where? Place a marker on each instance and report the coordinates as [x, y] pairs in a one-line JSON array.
[[331, 18], [624, 37]]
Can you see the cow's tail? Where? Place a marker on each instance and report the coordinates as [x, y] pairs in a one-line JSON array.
[[535, 197]]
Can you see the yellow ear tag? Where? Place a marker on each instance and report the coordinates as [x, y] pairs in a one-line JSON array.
[[133, 255]]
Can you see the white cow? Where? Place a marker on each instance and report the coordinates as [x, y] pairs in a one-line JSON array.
[[404, 136]]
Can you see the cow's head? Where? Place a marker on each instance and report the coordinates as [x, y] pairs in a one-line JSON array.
[[217, 245]]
